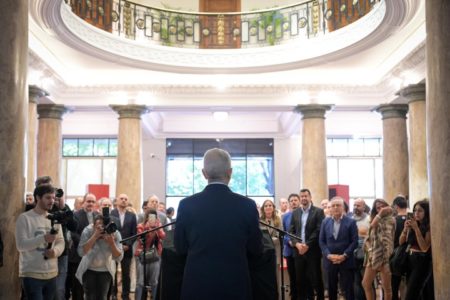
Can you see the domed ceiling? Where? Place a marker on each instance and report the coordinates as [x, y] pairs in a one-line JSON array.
[[354, 68]]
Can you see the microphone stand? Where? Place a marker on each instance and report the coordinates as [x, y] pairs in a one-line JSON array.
[[142, 236], [281, 234]]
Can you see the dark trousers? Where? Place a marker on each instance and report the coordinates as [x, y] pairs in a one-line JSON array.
[[96, 285], [73, 286], [292, 278], [345, 276], [357, 284], [125, 266], [39, 289], [308, 273], [395, 283], [418, 265]]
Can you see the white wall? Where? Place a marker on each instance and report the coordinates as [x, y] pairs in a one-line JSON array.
[[154, 167], [90, 123], [287, 157]]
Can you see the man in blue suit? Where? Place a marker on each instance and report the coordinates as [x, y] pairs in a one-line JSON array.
[[338, 239], [216, 230], [288, 251]]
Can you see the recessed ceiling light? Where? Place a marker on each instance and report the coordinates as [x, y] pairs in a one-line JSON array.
[[220, 115]]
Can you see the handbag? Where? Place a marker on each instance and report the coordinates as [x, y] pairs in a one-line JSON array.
[[399, 260], [151, 256]]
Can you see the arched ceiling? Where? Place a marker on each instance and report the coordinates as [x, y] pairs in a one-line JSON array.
[[356, 69]]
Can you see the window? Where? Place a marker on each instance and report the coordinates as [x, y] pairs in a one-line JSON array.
[[88, 147], [88, 161], [252, 163], [358, 164]]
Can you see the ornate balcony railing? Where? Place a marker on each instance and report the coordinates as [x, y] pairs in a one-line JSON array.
[[304, 20]]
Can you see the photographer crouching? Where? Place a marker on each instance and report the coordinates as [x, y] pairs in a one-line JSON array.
[[99, 248], [39, 242]]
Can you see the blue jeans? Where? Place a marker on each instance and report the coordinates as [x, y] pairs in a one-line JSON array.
[[152, 275], [61, 278], [39, 289]]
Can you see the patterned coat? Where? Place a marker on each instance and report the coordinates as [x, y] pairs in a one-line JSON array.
[[380, 243]]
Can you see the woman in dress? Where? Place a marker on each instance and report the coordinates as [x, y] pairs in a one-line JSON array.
[[379, 247]]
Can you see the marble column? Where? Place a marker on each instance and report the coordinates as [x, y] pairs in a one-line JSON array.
[[438, 138], [13, 114], [395, 150], [314, 156], [49, 148], [129, 152], [34, 93], [418, 178]]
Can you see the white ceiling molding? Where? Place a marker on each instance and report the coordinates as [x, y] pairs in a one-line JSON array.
[[260, 97], [384, 19]]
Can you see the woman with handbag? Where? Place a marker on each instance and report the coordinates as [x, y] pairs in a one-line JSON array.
[[417, 234], [380, 245], [153, 250]]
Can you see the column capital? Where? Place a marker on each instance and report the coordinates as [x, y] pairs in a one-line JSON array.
[[414, 92], [388, 111], [35, 92], [310, 111], [130, 111], [51, 111]]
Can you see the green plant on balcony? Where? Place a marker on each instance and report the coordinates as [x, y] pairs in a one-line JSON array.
[[271, 22], [174, 19]]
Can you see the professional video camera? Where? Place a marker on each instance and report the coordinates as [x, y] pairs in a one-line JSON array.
[[109, 227], [60, 216]]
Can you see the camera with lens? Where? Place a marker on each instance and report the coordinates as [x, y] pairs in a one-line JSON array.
[[109, 227], [59, 192], [60, 216]]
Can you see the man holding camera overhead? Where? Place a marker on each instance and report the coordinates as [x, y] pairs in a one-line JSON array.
[[127, 228], [39, 246]]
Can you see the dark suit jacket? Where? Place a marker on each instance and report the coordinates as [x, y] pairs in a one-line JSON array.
[[312, 229], [127, 229], [217, 229], [82, 221], [346, 241]]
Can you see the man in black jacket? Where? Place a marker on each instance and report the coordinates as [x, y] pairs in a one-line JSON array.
[[127, 228], [305, 223], [217, 229]]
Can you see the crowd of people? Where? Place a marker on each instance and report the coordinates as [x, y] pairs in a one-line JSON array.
[[330, 251], [75, 254], [347, 253]]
